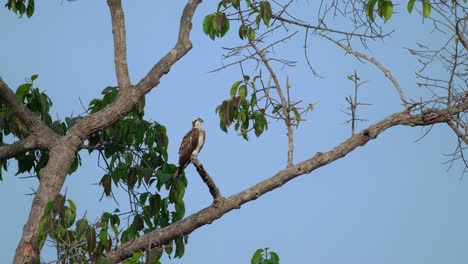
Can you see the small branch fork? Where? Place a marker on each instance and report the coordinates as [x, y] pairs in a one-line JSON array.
[[62, 150], [285, 104], [372, 60], [208, 215], [217, 197]]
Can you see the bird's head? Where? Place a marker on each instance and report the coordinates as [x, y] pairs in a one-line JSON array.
[[197, 123]]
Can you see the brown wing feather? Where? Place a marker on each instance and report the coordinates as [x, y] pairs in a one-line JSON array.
[[188, 145], [203, 134]]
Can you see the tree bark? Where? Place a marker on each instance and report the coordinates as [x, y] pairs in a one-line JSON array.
[[62, 150], [208, 215]]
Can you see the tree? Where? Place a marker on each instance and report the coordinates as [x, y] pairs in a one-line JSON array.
[[135, 150]]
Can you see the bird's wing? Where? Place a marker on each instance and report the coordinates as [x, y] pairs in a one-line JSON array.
[[188, 145]]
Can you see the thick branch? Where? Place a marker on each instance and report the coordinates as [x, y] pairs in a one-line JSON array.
[[209, 214], [120, 43], [19, 147], [183, 45], [208, 181], [26, 116], [63, 152], [372, 60]]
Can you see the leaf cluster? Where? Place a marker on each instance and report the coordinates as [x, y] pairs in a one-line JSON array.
[[134, 151], [385, 8], [217, 24], [10, 126], [21, 7], [80, 241], [263, 256], [242, 111]]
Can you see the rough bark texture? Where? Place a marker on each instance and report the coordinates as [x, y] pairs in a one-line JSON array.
[[215, 211], [217, 197], [62, 150]]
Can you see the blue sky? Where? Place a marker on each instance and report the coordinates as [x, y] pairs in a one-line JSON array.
[[391, 201]]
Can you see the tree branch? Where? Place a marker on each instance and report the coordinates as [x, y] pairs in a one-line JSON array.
[[217, 197], [284, 103], [372, 60], [182, 46], [26, 116], [120, 43], [215, 211], [63, 152], [19, 147]]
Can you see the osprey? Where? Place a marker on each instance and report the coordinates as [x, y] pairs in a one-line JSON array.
[[191, 145]]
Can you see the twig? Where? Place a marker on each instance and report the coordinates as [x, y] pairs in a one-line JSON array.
[[372, 60]]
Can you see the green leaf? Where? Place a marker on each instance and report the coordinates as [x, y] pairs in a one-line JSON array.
[[226, 112], [22, 91], [387, 10], [257, 257], [59, 204], [236, 4], [207, 26], [143, 197], [426, 5], [297, 116], [69, 214], [103, 237], [30, 9], [91, 239], [134, 259], [251, 34], [265, 12], [370, 9], [162, 178], [274, 258], [243, 91], [180, 247], [138, 222], [242, 31], [410, 6], [234, 87], [222, 126], [260, 123]]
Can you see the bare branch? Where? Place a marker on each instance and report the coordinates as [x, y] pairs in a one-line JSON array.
[[284, 103], [325, 29], [120, 43], [208, 215], [462, 136], [372, 60], [183, 45], [217, 197]]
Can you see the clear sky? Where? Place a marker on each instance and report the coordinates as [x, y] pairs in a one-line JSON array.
[[391, 201]]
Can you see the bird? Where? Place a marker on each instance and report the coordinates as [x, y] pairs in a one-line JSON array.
[[191, 145]]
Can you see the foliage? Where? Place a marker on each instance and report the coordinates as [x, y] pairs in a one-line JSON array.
[[10, 127], [135, 153], [133, 150], [263, 256], [241, 111], [21, 7]]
